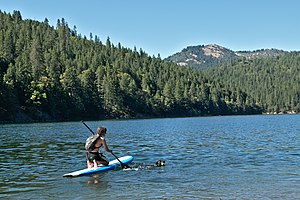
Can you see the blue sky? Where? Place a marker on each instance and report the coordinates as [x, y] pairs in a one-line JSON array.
[[168, 26]]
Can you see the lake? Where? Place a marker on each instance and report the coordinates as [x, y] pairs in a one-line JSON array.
[[232, 157]]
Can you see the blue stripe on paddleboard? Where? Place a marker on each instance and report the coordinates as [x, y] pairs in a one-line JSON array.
[[112, 165]]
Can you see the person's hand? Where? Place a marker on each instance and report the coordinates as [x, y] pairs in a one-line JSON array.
[[110, 151]]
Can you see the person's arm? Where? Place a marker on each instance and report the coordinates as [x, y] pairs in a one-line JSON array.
[[105, 146]]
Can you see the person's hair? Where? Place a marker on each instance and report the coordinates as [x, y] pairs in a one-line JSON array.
[[101, 129]]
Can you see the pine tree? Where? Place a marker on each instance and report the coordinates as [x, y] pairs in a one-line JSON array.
[[36, 59]]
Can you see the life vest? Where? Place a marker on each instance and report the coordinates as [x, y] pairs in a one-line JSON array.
[[90, 142]]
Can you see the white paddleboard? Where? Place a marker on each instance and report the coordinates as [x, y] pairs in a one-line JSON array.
[[114, 164]]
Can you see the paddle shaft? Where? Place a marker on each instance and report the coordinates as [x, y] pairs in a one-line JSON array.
[[88, 127], [123, 165]]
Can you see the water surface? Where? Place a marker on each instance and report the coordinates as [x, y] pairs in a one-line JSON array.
[[236, 157]]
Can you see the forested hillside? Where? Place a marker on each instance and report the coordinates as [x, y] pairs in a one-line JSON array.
[[54, 73], [273, 83]]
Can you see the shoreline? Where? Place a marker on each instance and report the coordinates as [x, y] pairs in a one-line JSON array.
[[25, 119]]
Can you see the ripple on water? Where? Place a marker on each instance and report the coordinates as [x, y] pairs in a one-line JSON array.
[[237, 157]]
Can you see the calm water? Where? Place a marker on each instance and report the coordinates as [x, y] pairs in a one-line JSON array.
[[237, 157]]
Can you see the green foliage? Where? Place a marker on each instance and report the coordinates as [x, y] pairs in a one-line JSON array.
[[54, 72], [270, 84]]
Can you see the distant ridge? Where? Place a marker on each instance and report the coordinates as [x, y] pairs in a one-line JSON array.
[[206, 56], [263, 53]]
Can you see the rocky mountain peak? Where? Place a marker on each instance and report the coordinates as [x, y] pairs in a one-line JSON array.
[[213, 50], [206, 56]]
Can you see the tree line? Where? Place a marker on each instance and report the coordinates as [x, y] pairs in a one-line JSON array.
[[273, 83], [54, 73]]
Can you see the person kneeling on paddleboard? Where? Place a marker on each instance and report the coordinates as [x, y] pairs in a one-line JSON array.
[[93, 144]]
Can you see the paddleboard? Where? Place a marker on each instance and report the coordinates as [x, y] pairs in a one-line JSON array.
[[114, 164]]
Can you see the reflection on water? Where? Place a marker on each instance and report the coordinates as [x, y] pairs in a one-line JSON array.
[[243, 157], [96, 182]]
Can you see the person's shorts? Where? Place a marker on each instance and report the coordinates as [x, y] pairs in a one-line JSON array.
[[91, 156]]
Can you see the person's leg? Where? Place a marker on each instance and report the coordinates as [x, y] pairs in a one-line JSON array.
[[89, 160], [89, 164], [102, 162], [98, 160], [95, 163]]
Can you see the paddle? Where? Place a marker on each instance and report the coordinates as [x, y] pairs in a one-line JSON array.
[[87, 127], [123, 165]]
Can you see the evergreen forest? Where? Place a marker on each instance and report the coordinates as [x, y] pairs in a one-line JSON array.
[[55, 74]]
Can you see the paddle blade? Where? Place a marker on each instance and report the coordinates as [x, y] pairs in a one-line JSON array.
[[124, 166]]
